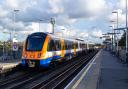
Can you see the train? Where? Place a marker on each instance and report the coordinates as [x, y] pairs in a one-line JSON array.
[[43, 49]]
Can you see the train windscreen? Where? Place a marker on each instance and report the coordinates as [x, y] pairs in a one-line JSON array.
[[34, 43]]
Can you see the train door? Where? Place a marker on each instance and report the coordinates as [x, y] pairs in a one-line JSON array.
[[51, 48], [62, 48]]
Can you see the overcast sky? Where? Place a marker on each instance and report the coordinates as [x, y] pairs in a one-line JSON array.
[[86, 19]]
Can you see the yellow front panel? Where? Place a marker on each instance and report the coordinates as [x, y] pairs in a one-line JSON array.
[[36, 54]]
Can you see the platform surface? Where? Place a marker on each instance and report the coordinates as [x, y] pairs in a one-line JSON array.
[[113, 73], [88, 76], [7, 65], [105, 71]]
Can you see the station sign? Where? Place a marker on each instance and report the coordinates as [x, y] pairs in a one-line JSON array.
[[15, 44]]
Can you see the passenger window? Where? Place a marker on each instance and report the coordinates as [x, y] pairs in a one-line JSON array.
[[57, 44], [51, 46], [62, 46]]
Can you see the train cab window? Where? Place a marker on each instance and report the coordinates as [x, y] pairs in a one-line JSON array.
[[34, 43]]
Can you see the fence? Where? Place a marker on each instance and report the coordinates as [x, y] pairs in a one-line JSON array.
[[122, 53], [6, 53]]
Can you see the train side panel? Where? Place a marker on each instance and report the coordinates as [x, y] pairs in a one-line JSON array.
[[52, 50]]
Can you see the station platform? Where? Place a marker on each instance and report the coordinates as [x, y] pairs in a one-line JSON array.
[[104, 71], [8, 65]]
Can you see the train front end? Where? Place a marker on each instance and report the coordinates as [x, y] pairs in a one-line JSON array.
[[34, 50]]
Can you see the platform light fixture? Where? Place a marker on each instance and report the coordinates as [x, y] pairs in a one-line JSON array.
[[126, 33]]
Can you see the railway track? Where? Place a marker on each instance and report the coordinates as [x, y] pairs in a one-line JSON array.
[[53, 78], [20, 75], [58, 81]]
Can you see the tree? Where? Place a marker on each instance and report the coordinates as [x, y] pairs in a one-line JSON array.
[[122, 40]]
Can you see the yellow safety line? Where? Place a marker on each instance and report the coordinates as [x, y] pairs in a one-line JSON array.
[[85, 72]]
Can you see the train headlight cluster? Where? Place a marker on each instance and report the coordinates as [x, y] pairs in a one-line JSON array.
[[25, 56], [39, 55], [31, 56]]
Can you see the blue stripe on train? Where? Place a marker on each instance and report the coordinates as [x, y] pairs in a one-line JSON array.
[[23, 62], [56, 57], [68, 54], [46, 62]]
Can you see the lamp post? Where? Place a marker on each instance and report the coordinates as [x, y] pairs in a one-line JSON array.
[[126, 35], [14, 34], [116, 12], [114, 39], [106, 37], [112, 36], [14, 19]]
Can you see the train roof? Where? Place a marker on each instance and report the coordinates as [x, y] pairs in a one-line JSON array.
[[55, 37]]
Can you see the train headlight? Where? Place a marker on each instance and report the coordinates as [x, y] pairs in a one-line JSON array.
[[39, 55], [25, 56], [31, 56]]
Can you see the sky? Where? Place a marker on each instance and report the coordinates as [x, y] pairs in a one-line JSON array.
[[85, 19]]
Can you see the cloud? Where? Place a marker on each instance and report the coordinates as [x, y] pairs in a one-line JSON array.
[[97, 33], [121, 4], [32, 10], [84, 8], [120, 7], [121, 17], [66, 12], [64, 19], [4, 13]]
